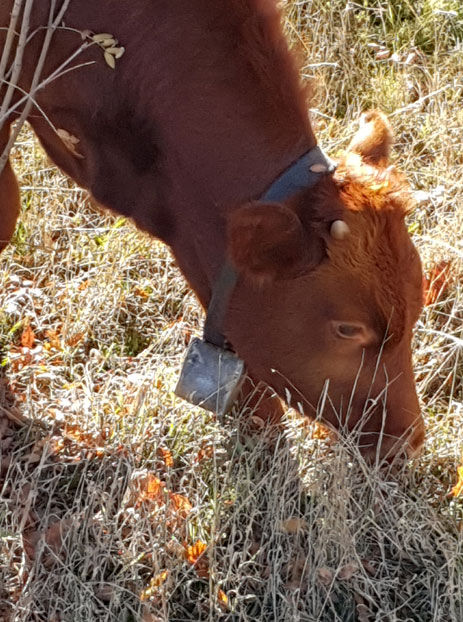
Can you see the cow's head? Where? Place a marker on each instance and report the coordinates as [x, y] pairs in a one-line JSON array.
[[329, 294]]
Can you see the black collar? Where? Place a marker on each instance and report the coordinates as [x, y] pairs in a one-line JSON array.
[[304, 173]]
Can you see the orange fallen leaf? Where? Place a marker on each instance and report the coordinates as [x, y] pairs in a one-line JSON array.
[[84, 285], [181, 504], [149, 488], [54, 340], [28, 337], [320, 432], [75, 433], [194, 555], [325, 576], [207, 451], [21, 360], [30, 539], [194, 551], [56, 533], [222, 597], [54, 537], [149, 493], [166, 455], [142, 293], [187, 332], [74, 340], [299, 568], [155, 583], [369, 567]]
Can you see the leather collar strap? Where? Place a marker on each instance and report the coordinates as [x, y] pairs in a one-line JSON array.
[[304, 173]]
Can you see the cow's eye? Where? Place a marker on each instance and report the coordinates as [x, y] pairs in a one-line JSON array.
[[356, 331], [349, 331]]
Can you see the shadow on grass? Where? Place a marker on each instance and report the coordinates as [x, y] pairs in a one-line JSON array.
[[294, 528]]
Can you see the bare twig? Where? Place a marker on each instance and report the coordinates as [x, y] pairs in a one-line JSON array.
[[53, 23], [18, 58], [11, 32]]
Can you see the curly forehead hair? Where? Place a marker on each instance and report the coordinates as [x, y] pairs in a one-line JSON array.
[[377, 250]]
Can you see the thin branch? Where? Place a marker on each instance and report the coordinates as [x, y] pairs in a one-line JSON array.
[[57, 73], [11, 32], [53, 24], [36, 104], [18, 58]]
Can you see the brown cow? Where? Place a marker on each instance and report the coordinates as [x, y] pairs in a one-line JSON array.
[[192, 125]]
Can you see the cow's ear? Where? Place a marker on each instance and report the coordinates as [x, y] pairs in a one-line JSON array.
[[373, 140], [267, 241]]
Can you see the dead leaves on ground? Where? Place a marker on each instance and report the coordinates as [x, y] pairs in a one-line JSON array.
[[166, 456], [40, 349], [27, 337], [80, 443], [148, 495], [149, 498], [347, 571], [364, 613], [52, 539], [156, 582], [195, 555], [205, 453], [222, 598], [154, 498], [326, 576]]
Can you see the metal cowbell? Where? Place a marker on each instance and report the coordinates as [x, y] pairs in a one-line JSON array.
[[211, 377]]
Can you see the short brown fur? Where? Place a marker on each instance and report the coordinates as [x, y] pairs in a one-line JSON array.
[[204, 110]]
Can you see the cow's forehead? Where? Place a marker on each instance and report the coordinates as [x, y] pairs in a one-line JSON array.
[[378, 252]]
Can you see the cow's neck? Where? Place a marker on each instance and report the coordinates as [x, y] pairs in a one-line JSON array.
[[199, 243], [204, 112], [238, 119]]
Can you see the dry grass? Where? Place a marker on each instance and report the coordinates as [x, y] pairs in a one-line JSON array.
[[108, 479]]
